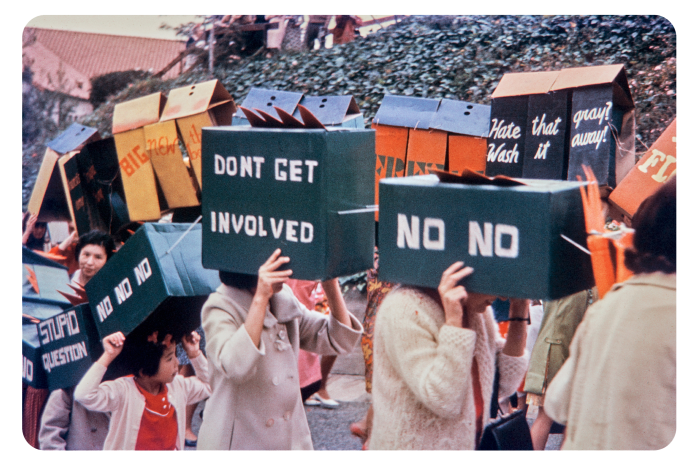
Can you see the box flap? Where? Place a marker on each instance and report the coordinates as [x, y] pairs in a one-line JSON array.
[[75, 136], [521, 84], [137, 113], [194, 99], [586, 76], [469, 177], [462, 117], [330, 110], [266, 99], [410, 112], [597, 75]]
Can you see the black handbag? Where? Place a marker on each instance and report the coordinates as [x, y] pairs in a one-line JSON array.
[[509, 433]]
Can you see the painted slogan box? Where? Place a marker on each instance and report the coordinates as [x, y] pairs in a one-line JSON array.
[[511, 236], [157, 275], [69, 345], [545, 125], [652, 170], [305, 191]]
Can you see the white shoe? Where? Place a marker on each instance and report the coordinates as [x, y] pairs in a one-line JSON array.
[[311, 402], [326, 403]]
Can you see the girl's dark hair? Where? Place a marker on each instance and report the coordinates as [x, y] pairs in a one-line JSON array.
[[25, 219], [95, 237], [142, 356], [654, 245], [238, 280]]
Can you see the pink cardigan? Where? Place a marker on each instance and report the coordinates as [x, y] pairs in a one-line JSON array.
[[126, 403]]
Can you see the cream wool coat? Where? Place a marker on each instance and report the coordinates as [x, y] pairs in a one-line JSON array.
[[256, 399], [617, 389], [421, 387]]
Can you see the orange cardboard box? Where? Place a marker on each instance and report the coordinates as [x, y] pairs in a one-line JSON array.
[[390, 144], [652, 170], [466, 152], [427, 149], [138, 178], [194, 107], [414, 135]]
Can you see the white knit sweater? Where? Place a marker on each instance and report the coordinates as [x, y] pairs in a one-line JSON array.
[[421, 387]]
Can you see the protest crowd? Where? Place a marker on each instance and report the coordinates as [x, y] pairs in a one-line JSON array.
[[516, 255]]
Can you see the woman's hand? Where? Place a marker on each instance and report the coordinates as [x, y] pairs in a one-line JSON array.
[[29, 228], [453, 296], [270, 280], [190, 342], [113, 345]]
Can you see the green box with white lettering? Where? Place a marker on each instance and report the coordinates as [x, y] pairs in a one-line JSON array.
[[308, 192], [511, 236], [69, 345], [155, 281]]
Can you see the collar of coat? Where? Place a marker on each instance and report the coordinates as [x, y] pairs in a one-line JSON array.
[[283, 307], [657, 279]]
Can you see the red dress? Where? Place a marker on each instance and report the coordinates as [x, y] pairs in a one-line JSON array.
[[158, 430]]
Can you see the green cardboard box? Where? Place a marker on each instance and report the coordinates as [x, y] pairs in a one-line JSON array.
[[511, 236], [69, 346], [155, 279], [33, 373], [304, 191]]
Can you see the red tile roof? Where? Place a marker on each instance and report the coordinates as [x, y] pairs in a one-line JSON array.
[[86, 55]]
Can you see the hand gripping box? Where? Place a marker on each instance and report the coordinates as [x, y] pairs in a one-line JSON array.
[[511, 235], [306, 191], [155, 279], [652, 170]]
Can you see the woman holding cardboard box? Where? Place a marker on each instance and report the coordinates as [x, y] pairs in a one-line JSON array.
[[617, 389], [255, 327], [435, 357]]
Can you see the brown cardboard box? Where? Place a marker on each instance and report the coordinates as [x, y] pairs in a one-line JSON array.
[[50, 197], [194, 107], [138, 178], [652, 170], [164, 152]]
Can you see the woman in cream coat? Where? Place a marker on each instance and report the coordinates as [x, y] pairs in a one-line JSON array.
[[254, 332], [617, 390]]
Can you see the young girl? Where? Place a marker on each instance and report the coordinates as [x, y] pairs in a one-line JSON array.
[[148, 408]]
